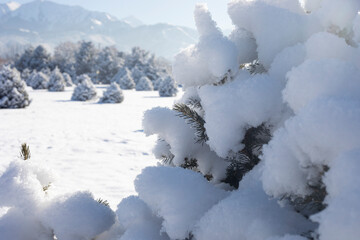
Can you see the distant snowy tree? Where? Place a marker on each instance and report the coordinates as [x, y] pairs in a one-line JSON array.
[[28, 80], [144, 84], [113, 94], [25, 74], [56, 82], [108, 64], [12, 89], [85, 58], [64, 56], [39, 81], [126, 81], [168, 88], [40, 59], [24, 61], [136, 74], [137, 57], [47, 71], [67, 79], [157, 83], [81, 78], [85, 90]]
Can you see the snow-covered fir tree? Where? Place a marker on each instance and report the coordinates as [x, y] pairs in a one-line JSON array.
[[56, 82], [168, 88], [24, 61], [248, 141], [85, 58], [12, 89], [39, 81], [157, 83], [108, 64], [113, 94], [40, 59], [25, 74], [85, 89], [144, 84], [136, 74], [64, 56], [126, 81], [28, 80], [67, 79]]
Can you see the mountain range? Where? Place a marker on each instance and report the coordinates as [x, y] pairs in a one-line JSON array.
[[49, 23]]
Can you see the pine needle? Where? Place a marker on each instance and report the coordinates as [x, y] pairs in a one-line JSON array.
[[194, 119], [25, 152]]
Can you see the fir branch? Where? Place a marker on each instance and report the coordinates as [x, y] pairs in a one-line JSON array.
[[103, 202], [190, 164], [167, 159], [25, 152], [194, 103], [194, 119], [246, 159], [225, 79]]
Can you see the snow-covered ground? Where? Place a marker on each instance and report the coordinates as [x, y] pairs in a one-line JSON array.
[[89, 146]]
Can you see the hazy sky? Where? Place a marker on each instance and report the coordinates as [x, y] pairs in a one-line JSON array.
[[178, 12]]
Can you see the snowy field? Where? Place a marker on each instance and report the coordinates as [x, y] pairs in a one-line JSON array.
[[89, 146]]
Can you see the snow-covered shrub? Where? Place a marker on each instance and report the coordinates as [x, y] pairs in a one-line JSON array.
[[157, 83], [144, 84], [39, 81], [35, 213], [270, 115], [67, 79], [168, 88], [56, 82], [25, 74], [28, 80], [12, 89], [126, 81], [85, 90], [113, 94]]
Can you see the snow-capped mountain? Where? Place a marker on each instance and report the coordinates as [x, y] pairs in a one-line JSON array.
[[8, 7], [50, 23]]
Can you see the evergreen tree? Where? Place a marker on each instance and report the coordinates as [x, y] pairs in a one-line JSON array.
[[85, 58], [12, 89], [136, 74], [39, 81], [113, 94], [144, 84], [108, 64], [85, 89], [57, 82], [64, 56], [126, 82], [157, 83], [40, 59], [25, 74], [168, 88], [24, 61], [67, 79]]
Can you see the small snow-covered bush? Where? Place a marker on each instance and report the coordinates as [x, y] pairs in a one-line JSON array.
[[36, 213], [67, 79], [126, 82], [168, 88], [39, 81], [144, 84], [28, 80], [113, 94], [12, 89], [157, 83], [85, 90], [56, 82]]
